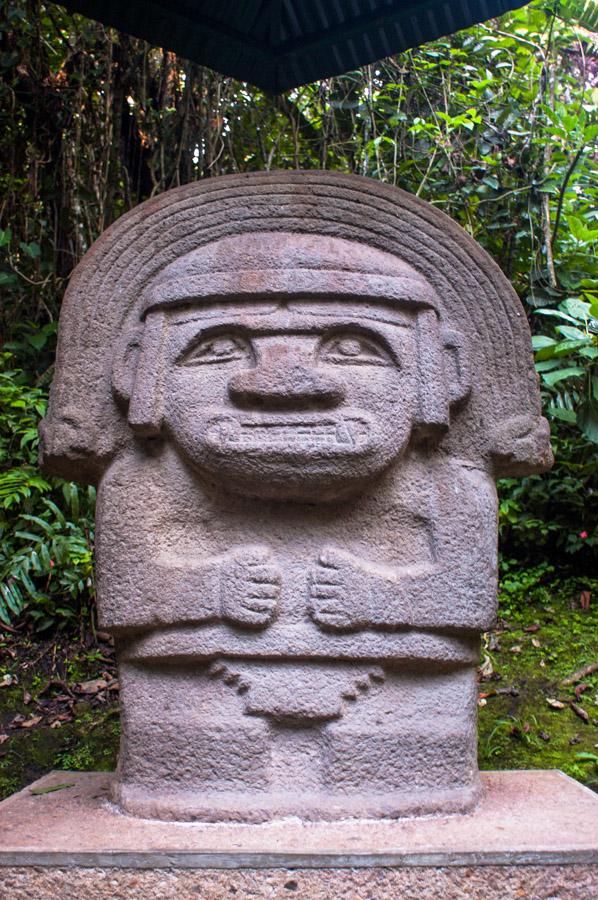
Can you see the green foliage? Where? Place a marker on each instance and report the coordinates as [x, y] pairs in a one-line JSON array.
[[495, 125], [568, 367], [554, 516], [517, 583], [583, 13], [22, 405], [46, 527]]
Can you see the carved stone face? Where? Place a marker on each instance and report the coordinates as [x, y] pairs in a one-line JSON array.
[[304, 400]]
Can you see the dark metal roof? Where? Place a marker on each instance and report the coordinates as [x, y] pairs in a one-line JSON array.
[[279, 44]]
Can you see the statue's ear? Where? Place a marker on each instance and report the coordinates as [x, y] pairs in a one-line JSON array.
[[444, 374], [432, 417], [137, 376], [124, 367], [456, 366]]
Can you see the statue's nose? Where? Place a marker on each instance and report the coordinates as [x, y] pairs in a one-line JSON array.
[[285, 384]]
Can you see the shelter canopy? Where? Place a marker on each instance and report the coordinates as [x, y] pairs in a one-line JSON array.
[[279, 44]]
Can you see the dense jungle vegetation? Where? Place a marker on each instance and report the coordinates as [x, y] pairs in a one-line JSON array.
[[495, 125]]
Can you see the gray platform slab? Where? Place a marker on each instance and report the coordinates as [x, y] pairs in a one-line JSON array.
[[524, 818]]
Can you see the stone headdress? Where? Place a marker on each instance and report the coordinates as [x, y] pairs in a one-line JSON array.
[[122, 277]]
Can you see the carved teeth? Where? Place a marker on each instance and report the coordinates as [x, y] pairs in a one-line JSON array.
[[343, 434]]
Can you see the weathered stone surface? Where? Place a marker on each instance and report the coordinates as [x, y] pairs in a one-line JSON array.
[[533, 835], [576, 882], [295, 392], [523, 818]]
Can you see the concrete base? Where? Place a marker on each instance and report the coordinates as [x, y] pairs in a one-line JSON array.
[[533, 835]]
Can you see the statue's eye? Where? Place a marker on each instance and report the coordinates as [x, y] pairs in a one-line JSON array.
[[218, 348], [354, 350]]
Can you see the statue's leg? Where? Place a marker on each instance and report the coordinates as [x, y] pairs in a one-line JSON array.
[[187, 748], [411, 748], [248, 740]]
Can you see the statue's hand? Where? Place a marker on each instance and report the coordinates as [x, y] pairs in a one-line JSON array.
[[339, 592], [249, 587]]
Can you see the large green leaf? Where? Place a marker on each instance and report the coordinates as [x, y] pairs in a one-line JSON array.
[[587, 419], [551, 378], [579, 12]]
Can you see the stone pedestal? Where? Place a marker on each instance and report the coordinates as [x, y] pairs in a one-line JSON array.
[[533, 835]]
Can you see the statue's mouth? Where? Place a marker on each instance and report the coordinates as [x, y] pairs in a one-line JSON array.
[[279, 434]]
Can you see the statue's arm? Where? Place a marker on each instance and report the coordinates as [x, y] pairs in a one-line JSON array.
[[173, 592], [241, 586], [151, 570], [455, 590]]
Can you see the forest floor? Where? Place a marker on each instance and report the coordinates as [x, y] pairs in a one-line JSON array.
[[59, 697], [538, 685]]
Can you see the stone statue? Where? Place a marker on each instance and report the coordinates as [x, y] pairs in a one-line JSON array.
[[295, 392]]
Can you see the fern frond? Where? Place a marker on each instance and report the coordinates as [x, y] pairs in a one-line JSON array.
[[581, 13]]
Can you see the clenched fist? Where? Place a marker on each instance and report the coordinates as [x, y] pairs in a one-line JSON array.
[[338, 592], [250, 587]]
